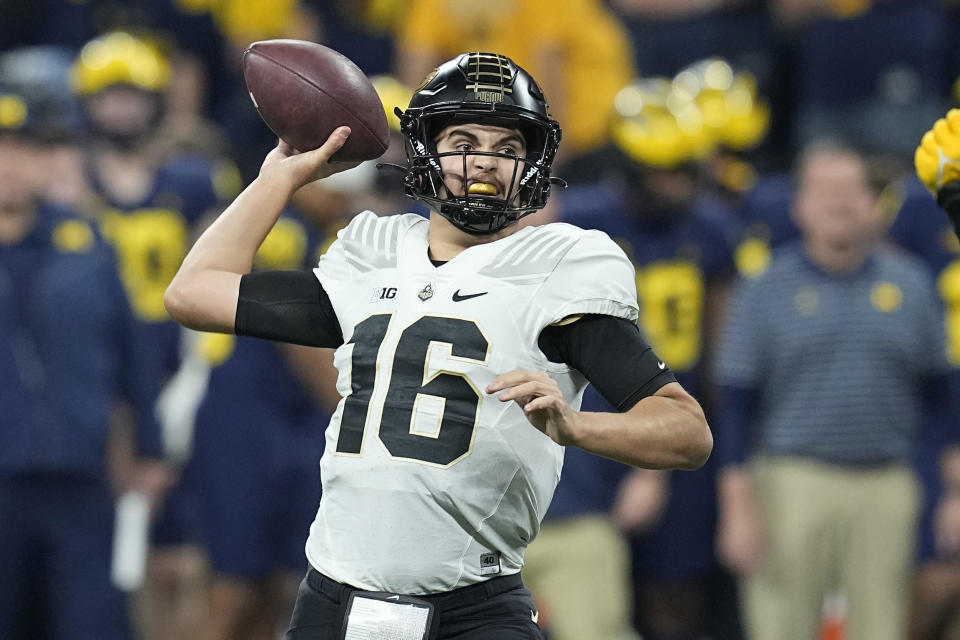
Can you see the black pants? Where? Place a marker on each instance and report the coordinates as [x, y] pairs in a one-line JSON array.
[[498, 609]]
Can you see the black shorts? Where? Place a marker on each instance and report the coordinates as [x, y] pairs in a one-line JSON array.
[[498, 609]]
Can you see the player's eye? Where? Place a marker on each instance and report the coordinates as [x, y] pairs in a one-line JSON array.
[[510, 151], [464, 146]]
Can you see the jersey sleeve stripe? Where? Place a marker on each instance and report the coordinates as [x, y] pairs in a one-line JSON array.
[[553, 250]]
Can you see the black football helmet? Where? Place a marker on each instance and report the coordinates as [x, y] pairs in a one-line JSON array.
[[483, 88]]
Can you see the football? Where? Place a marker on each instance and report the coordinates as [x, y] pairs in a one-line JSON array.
[[304, 90]]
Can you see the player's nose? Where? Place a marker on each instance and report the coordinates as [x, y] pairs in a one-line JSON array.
[[484, 162]]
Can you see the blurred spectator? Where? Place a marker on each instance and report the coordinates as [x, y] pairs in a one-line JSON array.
[[709, 113], [149, 198], [670, 36], [827, 361], [72, 354], [580, 53]]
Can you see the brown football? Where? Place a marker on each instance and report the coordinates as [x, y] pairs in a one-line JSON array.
[[304, 90]]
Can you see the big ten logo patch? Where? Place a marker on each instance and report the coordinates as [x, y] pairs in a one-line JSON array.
[[383, 293]]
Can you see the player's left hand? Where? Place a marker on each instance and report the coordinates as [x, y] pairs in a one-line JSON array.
[[541, 400]]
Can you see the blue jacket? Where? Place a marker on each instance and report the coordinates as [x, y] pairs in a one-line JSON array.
[[69, 348]]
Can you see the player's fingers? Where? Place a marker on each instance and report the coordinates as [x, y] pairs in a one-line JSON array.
[[515, 377], [530, 388], [323, 153], [544, 402]]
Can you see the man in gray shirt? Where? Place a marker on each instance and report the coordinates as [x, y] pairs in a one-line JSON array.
[[826, 363]]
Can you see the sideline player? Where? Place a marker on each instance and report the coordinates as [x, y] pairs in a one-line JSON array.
[[455, 335], [150, 198]]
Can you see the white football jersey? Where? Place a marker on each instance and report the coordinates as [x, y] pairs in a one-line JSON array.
[[430, 483]]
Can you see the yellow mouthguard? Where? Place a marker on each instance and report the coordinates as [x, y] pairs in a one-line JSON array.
[[482, 188]]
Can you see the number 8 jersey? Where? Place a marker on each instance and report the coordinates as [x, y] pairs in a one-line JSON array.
[[430, 483]]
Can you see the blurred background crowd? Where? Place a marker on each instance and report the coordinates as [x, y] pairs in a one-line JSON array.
[[707, 137]]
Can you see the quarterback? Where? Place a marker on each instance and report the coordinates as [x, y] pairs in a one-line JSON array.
[[463, 346]]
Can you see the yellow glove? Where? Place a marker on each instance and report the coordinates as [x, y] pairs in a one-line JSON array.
[[937, 159]]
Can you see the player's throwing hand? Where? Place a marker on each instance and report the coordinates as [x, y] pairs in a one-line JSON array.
[[303, 167], [541, 400]]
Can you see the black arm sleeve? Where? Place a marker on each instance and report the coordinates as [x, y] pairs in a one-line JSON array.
[[287, 306], [611, 354], [948, 197]]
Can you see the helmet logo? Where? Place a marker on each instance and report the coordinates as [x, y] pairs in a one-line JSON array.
[[489, 76], [426, 81]]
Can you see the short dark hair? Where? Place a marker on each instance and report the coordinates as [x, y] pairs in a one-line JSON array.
[[876, 176]]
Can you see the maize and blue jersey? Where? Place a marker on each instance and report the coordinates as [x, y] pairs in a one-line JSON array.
[[151, 237]]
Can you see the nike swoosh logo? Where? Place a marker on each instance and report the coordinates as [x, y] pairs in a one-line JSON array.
[[535, 616], [459, 298], [393, 597]]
